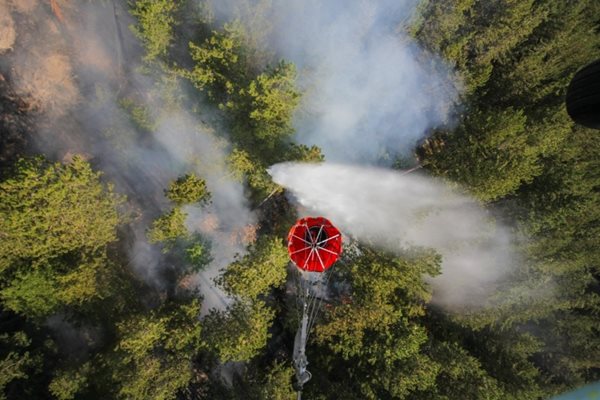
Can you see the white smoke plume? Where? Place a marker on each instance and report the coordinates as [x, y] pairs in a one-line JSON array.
[[396, 210], [75, 63], [369, 92]]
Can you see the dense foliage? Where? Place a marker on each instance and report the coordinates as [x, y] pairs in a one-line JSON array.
[[517, 146], [78, 321]]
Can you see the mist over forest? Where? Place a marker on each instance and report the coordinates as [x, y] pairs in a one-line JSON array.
[[154, 155]]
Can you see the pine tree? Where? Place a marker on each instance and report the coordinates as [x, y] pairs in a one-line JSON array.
[[156, 20], [153, 357], [56, 221]]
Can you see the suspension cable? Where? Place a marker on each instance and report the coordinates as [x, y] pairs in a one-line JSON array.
[[313, 318]]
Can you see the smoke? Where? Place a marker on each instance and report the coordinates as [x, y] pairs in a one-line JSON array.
[[396, 211], [76, 64], [7, 29], [370, 93]]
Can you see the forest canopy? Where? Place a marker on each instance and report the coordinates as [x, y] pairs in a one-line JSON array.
[[143, 241]]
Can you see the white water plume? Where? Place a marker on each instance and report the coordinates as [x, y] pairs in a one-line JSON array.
[[395, 210]]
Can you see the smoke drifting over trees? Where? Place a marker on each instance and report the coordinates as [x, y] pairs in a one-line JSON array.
[[370, 92], [82, 79]]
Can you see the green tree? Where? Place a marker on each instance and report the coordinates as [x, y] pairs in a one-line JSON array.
[[545, 183], [68, 383], [33, 294], [197, 252], [384, 332], [156, 19], [240, 332], [153, 357], [267, 105], [488, 153], [461, 375], [376, 332], [272, 382], [51, 210], [555, 290], [57, 221], [220, 65], [264, 267], [474, 34], [258, 103], [243, 164], [169, 228], [188, 189], [15, 359], [301, 152], [138, 114], [538, 71]]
